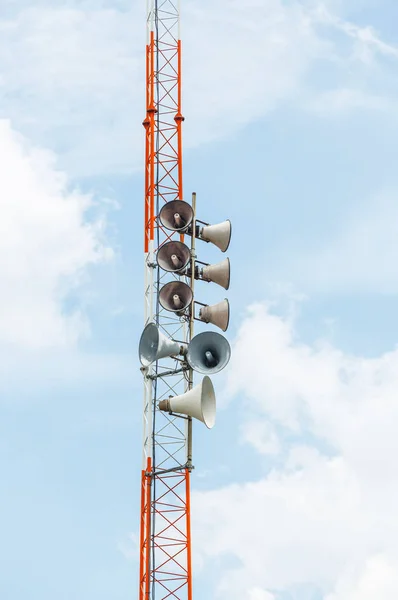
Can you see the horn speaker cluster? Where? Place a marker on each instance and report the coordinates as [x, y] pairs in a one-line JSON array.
[[208, 352]]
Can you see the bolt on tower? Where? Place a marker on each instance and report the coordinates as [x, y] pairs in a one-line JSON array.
[[169, 351]]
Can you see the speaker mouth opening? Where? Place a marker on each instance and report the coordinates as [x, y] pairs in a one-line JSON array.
[[211, 358], [173, 257], [167, 297], [148, 344], [169, 219]]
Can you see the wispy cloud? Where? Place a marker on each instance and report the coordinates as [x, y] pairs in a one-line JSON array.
[[72, 76]]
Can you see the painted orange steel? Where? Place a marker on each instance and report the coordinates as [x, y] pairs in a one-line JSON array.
[[149, 124], [171, 540], [145, 532], [189, 544], [142, 535]]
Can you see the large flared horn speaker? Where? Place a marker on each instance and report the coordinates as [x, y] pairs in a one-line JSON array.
[[219, 273], [217, 314], [219, 235], [208, 352], [174, 256], [154, 346], [176, 215], [199, 403], [175, 296]]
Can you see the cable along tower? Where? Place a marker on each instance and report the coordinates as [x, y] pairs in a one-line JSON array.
[[169, 351]]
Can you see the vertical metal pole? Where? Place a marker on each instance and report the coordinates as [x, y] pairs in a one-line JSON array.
[[193, 258], [192, 323]]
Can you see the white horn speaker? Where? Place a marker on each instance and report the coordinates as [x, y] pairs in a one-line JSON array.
[[173, 257], [176, 215], [199, 403], [208, 352], [217, 314], [175, 296], [154, 346], [219, 273], [219, 235]]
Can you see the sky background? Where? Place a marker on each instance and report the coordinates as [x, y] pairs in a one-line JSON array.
[[291, 131]]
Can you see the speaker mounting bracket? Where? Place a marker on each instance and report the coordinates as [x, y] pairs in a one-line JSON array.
[[169, 373]]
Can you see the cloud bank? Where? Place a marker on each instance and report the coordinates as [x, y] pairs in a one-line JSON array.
[[323, 520], [47, 243]]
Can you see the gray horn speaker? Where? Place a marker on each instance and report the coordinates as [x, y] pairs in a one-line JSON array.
[[217, 314], [154, 346], [199, 403], [173, 257], [219, 273], [219, 235], [176, 215], [208, 352], [175, 296]]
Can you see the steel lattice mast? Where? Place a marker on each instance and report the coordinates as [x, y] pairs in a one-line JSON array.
[[168, 351], [165, 561]]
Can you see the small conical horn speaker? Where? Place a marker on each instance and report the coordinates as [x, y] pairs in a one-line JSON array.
[[176, 215], [154, 346], [217, 314], [219, 273], [175, 296], [173, 257], [219, 235], [199, 403]]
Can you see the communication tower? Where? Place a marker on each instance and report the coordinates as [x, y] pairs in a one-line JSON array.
[[168, 350]]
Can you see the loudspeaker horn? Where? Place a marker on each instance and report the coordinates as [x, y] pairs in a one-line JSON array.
[[173, 257], [154, 346], [219, 273], [208, 352], [199, 403], [217, 314], [219, 235], [176, 215], [175, 296]]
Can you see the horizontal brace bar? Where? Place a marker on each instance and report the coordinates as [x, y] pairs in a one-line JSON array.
[[167, 373], [165, 471]]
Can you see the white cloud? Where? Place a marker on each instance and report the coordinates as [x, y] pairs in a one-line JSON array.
[[71, 78], [46, 245], [367, 40], [378, 579], [262, 435], [73, 75], [326, 517]]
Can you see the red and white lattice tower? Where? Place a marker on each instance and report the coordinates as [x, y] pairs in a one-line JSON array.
[[165, 530], [165, 561]]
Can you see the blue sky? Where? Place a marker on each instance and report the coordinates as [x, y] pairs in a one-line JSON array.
[[291, 132]]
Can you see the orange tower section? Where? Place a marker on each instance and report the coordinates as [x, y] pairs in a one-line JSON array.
[[165, 544]]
